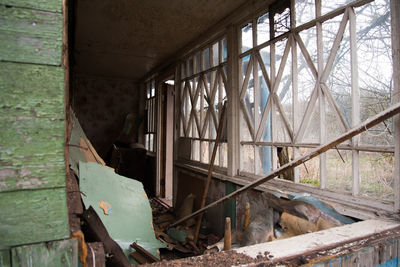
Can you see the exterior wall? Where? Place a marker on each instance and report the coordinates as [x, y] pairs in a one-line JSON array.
[[101, 106], [32, 121]]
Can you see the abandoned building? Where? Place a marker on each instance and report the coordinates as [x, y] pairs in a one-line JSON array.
[[200, 133]]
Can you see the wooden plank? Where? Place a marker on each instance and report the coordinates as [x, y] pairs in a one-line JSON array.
[[32, 216], [318, 241], [31, 90], [395, 27], [355, 104], [32, 153], [97, 232], [30, 36], [371, 122], [5, 258], [45, 5], [232, 91], [57, 253]]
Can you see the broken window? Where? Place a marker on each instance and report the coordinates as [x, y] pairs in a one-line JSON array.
[[284, 111], [202, 96]]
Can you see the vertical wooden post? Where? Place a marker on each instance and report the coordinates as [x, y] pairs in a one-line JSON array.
[[322, 102], [227, 236], [232, 92], [395, 20], [246, 217], [355, 96]]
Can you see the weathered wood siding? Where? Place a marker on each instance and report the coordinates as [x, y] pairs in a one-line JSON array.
[[32, 170]]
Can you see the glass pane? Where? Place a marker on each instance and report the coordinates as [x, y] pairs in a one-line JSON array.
[[329, 31], [247, 158], [339, 173], [198, 63], [215, 51], [265, 160], [305, 11], [263, 29], [204, 152], [312, 132], [247, 37], [375, 68], [206, 58], [285, 90], [309, 171], [377, 173], [183, 72], [224, 50], [195, 150], [266, 58], [244, 129], [190, 66]]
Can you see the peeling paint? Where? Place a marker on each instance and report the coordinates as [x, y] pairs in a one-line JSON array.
[[30, 183]]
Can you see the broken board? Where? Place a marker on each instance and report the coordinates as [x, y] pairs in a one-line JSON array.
[[129, 216], [80, 148]]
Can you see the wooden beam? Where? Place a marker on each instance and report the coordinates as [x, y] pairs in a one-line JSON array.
[[210, 170], [395, 21], [371, 122], [355, 98]]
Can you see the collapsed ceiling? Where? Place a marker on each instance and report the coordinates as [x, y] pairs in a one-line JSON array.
[[128, 38]]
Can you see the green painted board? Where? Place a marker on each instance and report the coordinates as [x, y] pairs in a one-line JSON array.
[[130, 219], [32, 216], [5, 259], [31, 153], [31, 90], [46, 5], [230, 205], [30, 36], [57, 253]]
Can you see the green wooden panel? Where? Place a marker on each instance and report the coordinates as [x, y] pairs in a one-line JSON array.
[[33, 216], [31, 153], [31, 90], [46, 5], [5, 260], [57, 253], [230, 205], [30, 36]]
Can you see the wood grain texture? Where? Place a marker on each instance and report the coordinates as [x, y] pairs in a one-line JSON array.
[[30, 36], [5, 259], [45, 5], [31, 90], [31, 154], [57, 253], [32, 216]]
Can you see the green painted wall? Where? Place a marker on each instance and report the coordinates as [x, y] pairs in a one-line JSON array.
[[32, 173]]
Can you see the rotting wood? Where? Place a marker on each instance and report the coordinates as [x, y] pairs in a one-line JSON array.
[[246, 217], [210, 170], [96, 256], [149, 258], [97, 232], [55, 253], [387, 113], [227, 236], [32, 216]]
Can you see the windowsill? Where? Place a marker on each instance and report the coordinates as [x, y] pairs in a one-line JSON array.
[[360, 207]]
